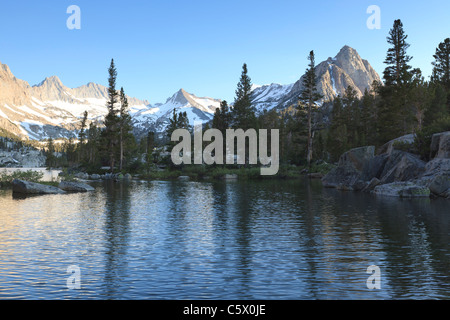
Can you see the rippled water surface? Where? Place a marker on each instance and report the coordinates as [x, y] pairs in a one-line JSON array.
[[224, 240]]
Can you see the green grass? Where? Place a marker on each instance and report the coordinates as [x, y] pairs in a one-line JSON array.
[[7, 178]]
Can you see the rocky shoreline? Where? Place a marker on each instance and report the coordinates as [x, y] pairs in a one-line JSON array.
[[32, 188], [394, 172]]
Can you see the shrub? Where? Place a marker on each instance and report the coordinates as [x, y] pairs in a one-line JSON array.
[[6, 178]]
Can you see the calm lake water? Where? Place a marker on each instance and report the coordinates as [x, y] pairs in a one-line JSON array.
[[223, 240]]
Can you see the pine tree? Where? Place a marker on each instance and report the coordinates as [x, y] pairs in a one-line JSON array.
[[93, 144], [337, 134], [50, 154], [437, 107], [441, 68], [243, 113], [398, 70], [111, 119], [178, 121], [309, 98], [369, 117], [82, 136], [221, 120], [441, 65], [396, 113], [150, 146], [125, 137]]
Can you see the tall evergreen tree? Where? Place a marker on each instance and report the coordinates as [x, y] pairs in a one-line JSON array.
[[93, 145], [243, 113], [111, 119], [441, 68], [309, 98], [82, 136], [221, 120], [369, 117], [437, 107], [337, 134], [149, 148], [441, 64], [396, 113], [398, 70], [50, 154], [178, 121], [125, 136]]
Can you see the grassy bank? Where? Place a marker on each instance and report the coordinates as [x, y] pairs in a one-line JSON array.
[[6, 178]]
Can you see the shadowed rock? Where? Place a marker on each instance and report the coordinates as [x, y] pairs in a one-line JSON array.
[[26, 187], [402, 190], [440, 145], [75, 186]]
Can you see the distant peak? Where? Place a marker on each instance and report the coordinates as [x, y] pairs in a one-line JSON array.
[[346, 49], [53, 80], [347, 53], [179, 97]]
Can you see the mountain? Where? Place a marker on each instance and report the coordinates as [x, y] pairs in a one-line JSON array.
[[157, 117], [334, 75], [50, 109]]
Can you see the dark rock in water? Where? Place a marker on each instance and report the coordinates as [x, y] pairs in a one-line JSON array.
[[440, 186], [374, 167], [402, 190], [75, 186], [389, 147], [342, 177], [348, 175], [358, 157], [371, 185], [402, 166], [394, 172], [359, 185], [26, 187]]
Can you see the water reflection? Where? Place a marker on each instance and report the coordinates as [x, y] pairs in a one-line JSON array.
[[222, 240]]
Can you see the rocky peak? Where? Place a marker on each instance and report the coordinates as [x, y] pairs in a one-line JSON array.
[[91, 90], [13, 91], [52, 81], [179, 98], [334, 75], [359, 70]]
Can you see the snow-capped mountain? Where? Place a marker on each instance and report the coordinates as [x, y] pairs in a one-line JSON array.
[[50, 109], [269, 96], [157, 117]]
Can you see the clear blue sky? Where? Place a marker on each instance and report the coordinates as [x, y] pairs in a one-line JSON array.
[[162, 46]]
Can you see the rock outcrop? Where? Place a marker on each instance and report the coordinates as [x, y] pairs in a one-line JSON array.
[[402, 190], [75, 186], [26, 187], [334, 75], [394, 172], [23, 158], [440, 146]]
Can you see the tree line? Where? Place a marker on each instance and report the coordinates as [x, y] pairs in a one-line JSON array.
[[311, 130], [110, 143], [405, 103]]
